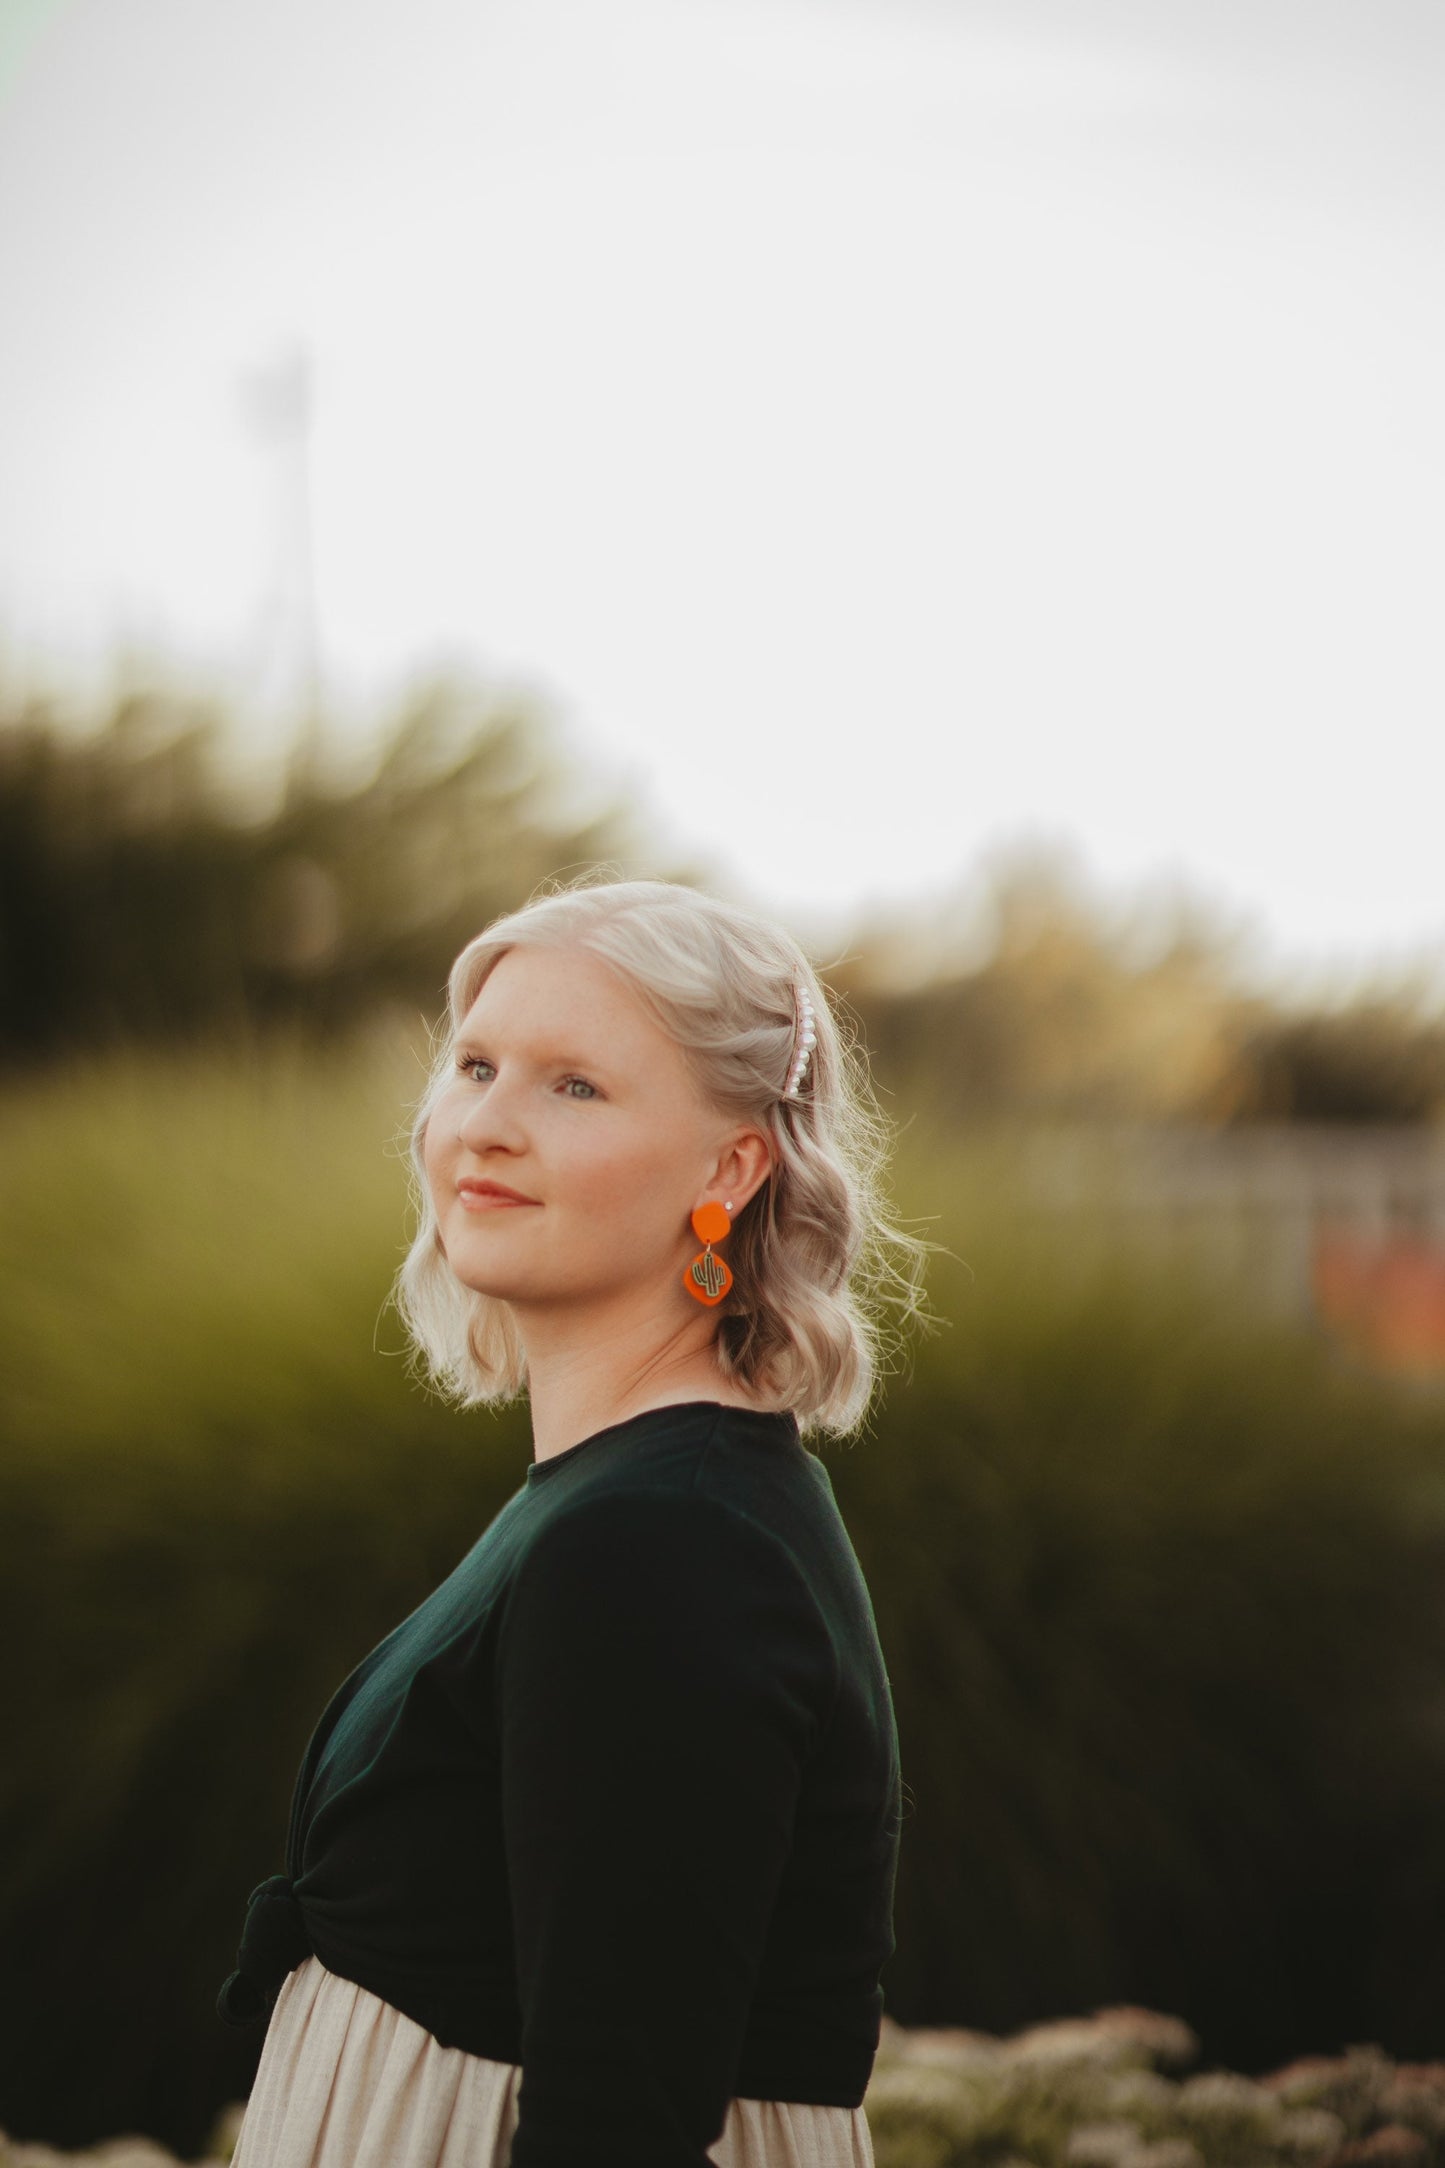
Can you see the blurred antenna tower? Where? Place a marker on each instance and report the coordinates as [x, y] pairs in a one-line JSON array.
[[279, 403]]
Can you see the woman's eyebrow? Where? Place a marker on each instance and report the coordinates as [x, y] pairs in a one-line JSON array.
[[544, 1057]]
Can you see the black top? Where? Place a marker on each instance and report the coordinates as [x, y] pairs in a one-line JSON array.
[[620, 1801]]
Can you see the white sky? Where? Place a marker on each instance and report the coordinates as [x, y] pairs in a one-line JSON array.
[[882, 428]]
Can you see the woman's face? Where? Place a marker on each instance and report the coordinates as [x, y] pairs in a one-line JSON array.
[[566, 1091]]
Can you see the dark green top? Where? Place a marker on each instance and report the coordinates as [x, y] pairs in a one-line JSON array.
[[620, 1801]]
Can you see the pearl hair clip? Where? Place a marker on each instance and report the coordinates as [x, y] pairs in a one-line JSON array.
[[804, 1039]]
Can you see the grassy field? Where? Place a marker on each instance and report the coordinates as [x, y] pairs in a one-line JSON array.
[[1157, 1579]]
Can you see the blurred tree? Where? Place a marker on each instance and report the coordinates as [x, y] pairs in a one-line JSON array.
[[1056, 1011], [139, 902], [1374, 1060], [1065, 1008]]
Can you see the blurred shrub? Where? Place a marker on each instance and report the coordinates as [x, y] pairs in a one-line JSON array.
[[1375, 1055], [1159, 1578], [140, 899], [1158, 1587], [218, 1491], [1032, 996], [1105, 2091]]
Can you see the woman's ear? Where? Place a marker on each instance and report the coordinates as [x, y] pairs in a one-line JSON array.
[[746, 1167]]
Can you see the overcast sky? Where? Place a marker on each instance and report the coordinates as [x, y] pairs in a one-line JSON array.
[[880, 430]]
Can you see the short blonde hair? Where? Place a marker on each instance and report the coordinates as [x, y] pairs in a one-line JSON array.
[[815, 1259]]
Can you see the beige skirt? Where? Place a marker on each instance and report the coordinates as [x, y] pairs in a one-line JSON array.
[[346, 2081]]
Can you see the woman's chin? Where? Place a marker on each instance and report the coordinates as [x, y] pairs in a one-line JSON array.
[[500, 1284]]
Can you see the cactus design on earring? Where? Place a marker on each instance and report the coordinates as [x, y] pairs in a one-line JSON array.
[[707, 1277]]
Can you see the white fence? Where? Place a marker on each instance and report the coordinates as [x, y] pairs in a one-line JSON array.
[[1254, 1200]]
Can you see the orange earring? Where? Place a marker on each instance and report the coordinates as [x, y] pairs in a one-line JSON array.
[[707, 1276]]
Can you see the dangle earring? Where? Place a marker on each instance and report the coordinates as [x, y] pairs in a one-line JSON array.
[[707, 1276]]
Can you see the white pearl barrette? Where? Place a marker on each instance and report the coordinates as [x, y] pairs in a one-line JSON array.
[[804, 1039]]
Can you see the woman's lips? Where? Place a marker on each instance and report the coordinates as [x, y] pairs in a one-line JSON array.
[[479, 1200]]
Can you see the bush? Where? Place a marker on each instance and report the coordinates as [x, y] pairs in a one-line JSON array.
[[1157, 1585]]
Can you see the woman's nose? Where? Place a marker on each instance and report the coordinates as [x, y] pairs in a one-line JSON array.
[[491, 1116]]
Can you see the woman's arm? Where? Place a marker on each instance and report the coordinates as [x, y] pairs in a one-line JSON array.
[[662, 1675]]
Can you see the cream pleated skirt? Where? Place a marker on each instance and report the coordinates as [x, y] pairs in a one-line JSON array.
[[346, 2081]]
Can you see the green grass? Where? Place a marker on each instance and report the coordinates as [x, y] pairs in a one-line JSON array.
[[1157, 1581]]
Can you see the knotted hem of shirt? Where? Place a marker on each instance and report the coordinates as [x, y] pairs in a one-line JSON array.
[[274, 1940]]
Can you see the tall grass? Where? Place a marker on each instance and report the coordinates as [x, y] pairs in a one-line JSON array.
[[1157, 1580]]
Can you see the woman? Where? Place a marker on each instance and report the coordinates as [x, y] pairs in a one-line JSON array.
[[591, 1860]]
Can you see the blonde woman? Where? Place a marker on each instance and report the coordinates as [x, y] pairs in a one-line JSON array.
[[591, 1861]]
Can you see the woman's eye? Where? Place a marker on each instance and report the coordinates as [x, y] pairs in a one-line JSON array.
[[466, 1063]]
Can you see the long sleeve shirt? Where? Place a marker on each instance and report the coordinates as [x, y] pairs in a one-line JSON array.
[[620, 1800]]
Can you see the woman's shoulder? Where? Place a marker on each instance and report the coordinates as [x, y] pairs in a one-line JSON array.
[[738, 1493], [615, 1562]]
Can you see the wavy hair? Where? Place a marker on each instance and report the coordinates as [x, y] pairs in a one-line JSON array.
[[817, 1263]]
